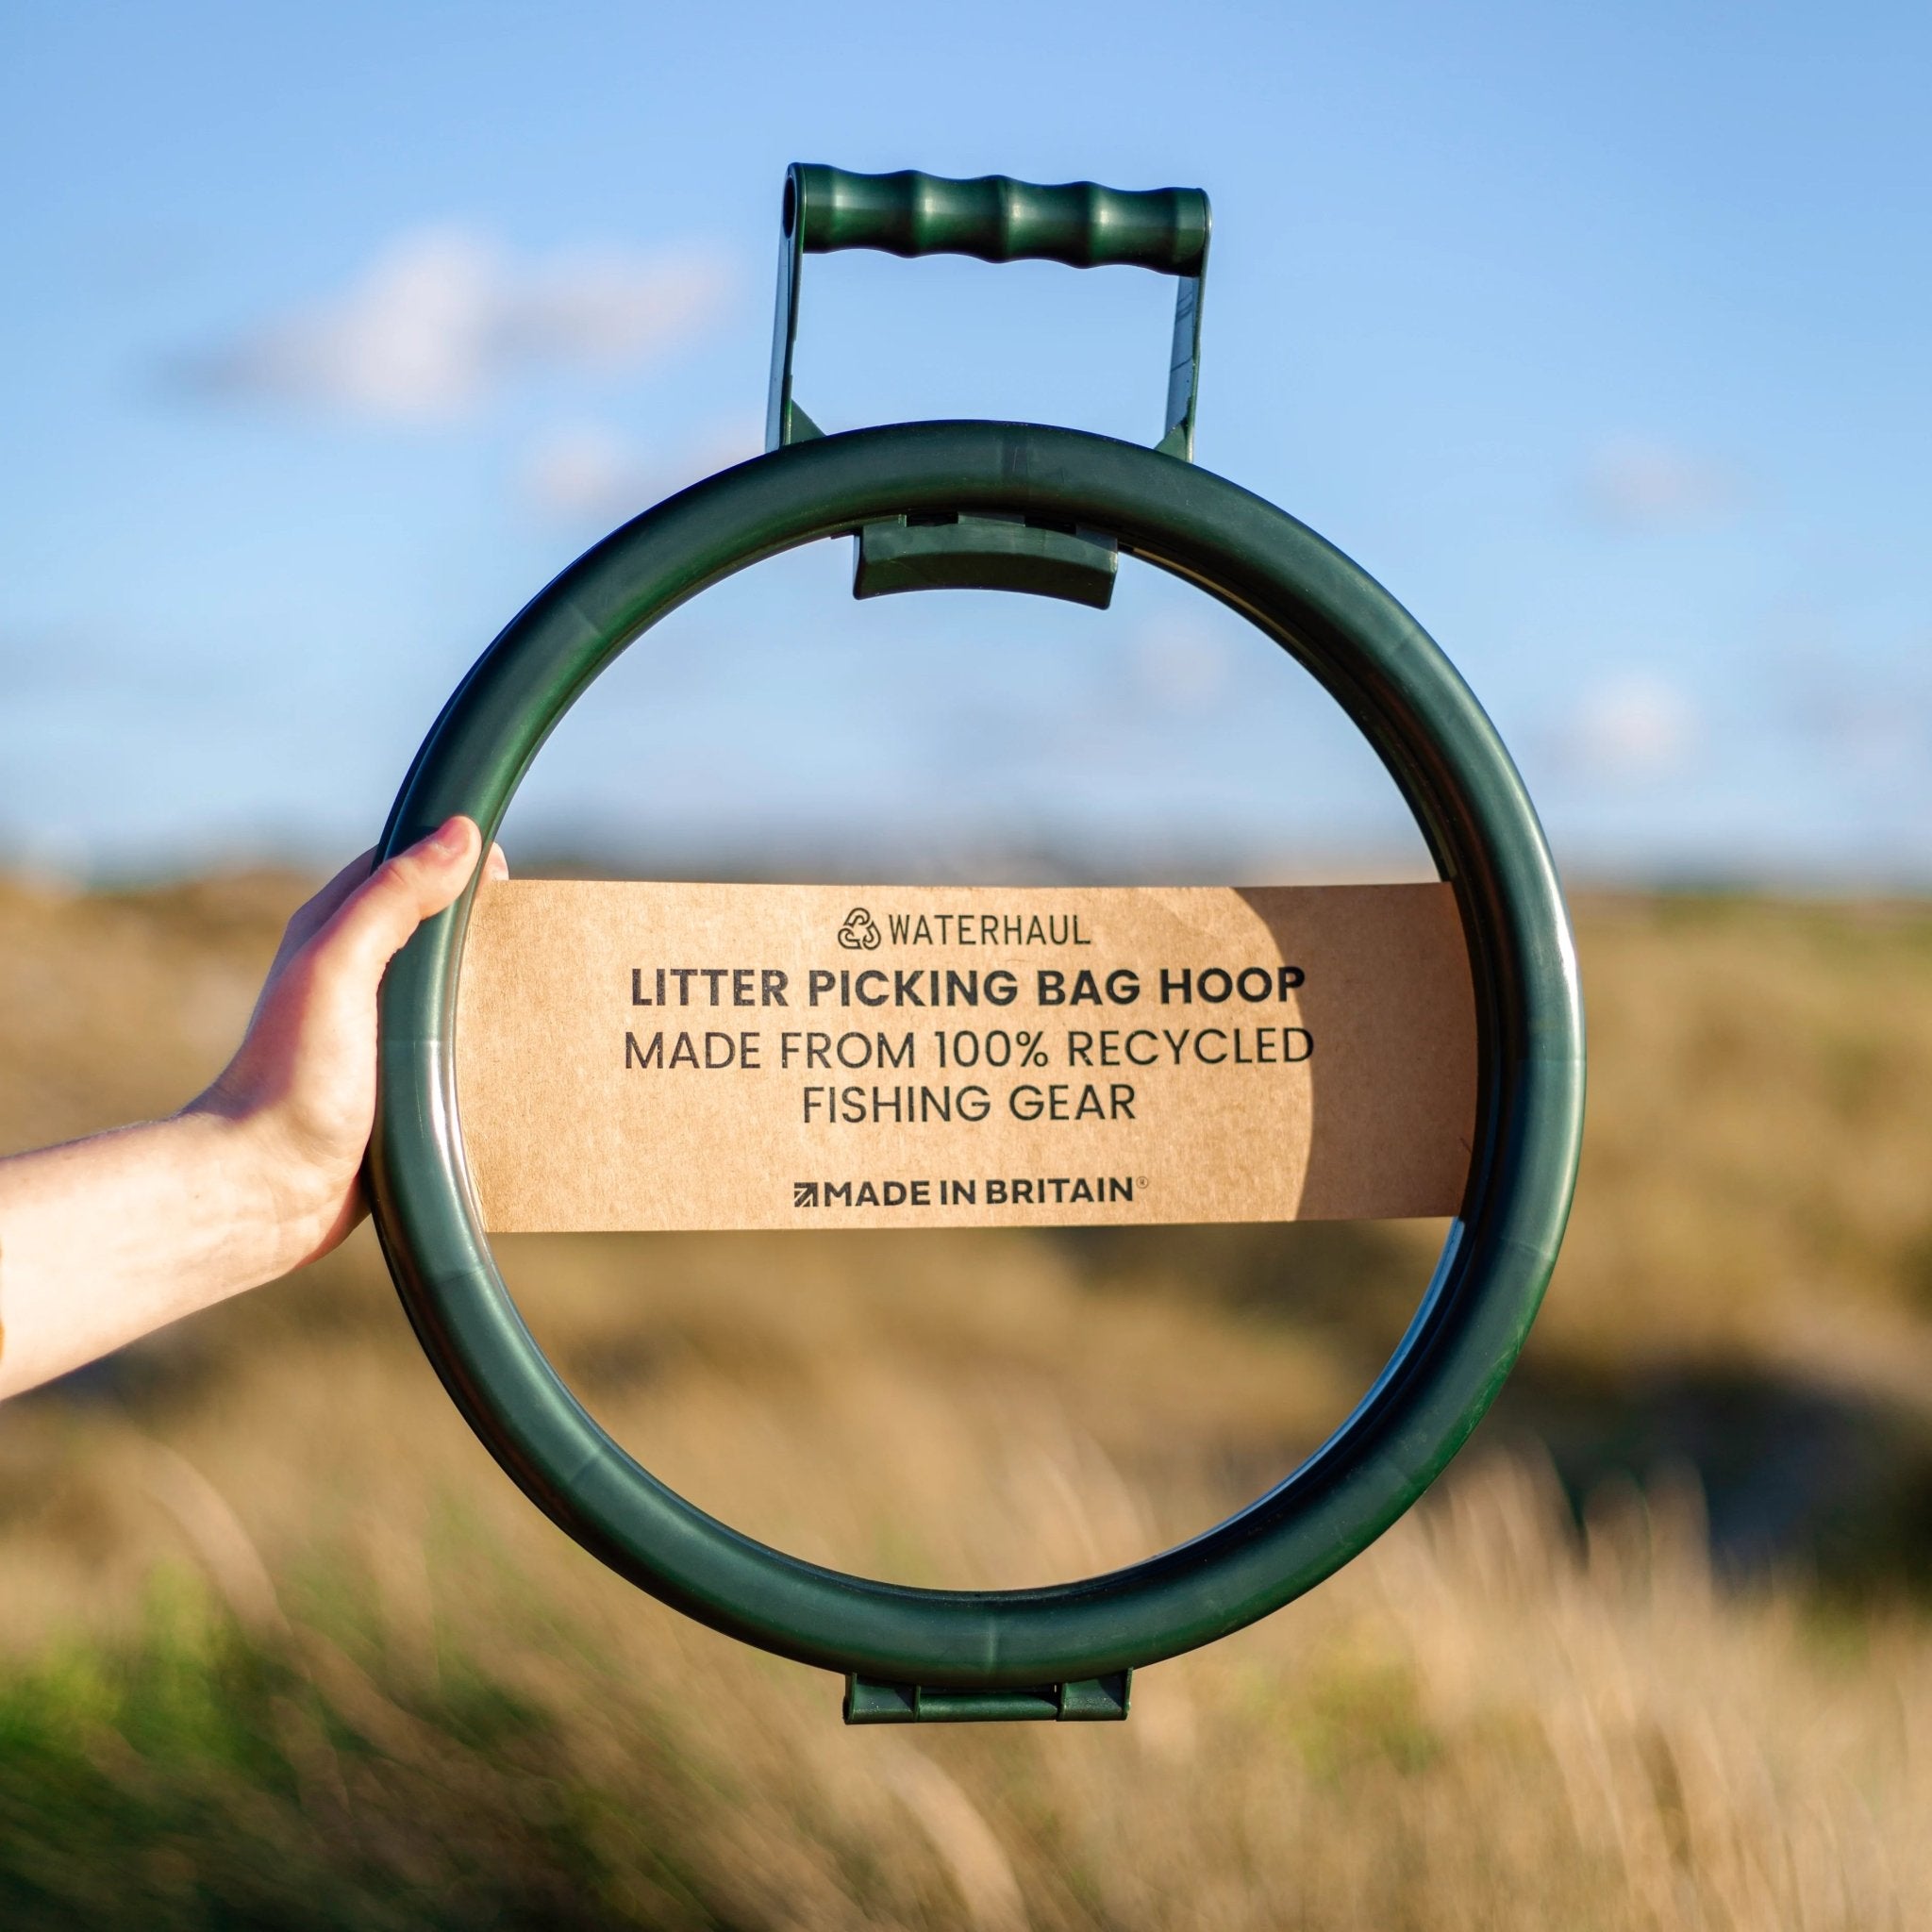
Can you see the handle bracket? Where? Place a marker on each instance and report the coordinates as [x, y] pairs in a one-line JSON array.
[[996, 218], [946, 551]]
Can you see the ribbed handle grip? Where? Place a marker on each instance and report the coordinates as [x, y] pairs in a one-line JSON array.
[[998, 220]]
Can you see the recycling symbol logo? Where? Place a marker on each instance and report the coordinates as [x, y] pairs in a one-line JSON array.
[[860, 934]]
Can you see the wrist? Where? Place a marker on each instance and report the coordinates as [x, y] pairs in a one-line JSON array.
[[279, 1210]]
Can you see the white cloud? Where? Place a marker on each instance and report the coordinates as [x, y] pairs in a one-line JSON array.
[[443, 318], [1640, 726], [587, 472], [581, 470], [1637, 482]]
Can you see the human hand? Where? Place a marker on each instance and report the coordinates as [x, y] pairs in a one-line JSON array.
[[107, 1239], [301, 1090]]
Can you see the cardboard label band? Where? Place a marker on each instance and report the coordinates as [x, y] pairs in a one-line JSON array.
[[704, 1056]]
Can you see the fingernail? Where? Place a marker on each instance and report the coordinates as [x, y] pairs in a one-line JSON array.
[[449, 837]]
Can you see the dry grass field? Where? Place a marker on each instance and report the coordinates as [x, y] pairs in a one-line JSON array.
[[280, 1648]]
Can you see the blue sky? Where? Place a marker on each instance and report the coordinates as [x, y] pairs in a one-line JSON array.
[[1598, 335]]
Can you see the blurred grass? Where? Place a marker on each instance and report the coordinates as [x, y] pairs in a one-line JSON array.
[[279, 1647]]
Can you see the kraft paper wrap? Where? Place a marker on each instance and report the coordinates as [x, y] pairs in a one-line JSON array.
[[1335, 1080]]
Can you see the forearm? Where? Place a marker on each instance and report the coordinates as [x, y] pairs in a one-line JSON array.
[[103, 1240]]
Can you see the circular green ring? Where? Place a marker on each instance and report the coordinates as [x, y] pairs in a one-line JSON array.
[[1405, 697]]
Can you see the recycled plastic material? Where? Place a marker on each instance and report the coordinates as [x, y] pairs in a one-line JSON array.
[[1061, 1652]]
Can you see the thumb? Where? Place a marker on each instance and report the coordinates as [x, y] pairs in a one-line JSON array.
[[377, 919]]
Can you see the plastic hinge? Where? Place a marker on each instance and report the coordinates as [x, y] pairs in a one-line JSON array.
[[984, 553], [1088, 1700]]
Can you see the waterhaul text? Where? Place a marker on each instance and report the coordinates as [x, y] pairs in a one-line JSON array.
[[933, 986]]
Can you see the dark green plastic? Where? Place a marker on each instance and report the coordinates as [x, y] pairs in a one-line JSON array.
[[956, 552], [1100, 1700], [1433, 736], [996, 218]]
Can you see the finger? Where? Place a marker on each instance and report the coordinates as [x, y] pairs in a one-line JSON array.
[[321, 906], [379, 916], [496, 866], [314, 914]]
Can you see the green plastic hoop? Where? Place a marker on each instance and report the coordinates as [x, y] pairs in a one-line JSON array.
[[1405, 696]]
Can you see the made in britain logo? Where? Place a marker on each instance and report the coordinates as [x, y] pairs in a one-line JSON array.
[[992, 1191]]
